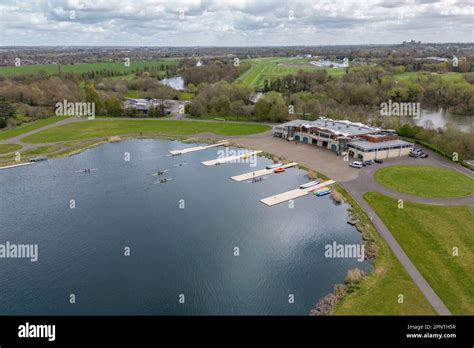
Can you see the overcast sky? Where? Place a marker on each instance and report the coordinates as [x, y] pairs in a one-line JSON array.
[[233, 22]]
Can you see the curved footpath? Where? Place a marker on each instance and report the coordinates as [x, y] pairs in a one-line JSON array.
[[355, 181]]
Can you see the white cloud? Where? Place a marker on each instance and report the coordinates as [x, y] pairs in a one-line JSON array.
[[234, 22]]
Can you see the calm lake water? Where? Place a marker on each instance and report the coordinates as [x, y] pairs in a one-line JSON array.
[[441, 118], [176, 83], [174, 251]]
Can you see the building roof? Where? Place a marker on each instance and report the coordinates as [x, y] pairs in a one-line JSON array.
[[367, 145], [339, 127]]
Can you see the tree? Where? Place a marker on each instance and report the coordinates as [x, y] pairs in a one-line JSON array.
[[262, 108], [6, 109], [92, 96]]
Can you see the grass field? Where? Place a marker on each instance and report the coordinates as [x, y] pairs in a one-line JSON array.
[[266, 68], [425, 181], [453, 76], [29, 126], [378, 294], [133, 93], [6, 148], [104, 128], [428, 234], [84, 67], [41, 150]]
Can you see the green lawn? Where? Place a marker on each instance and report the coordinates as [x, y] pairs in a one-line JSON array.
[[41, 150], [425, 181], [185, 95], [6, 148], [85, 67], [265, 68], [428, 234], [378, 294], [28, 126], [104, 128]]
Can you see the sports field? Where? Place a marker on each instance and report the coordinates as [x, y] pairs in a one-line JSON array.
[[85, 67], [266, 68]]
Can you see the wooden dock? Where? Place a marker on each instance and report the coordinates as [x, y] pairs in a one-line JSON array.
[[198, 148], [230, 158], [261, 172], [286, 196], [17, 165]]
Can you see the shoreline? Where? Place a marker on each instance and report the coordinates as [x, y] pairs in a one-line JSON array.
[[355, 212]]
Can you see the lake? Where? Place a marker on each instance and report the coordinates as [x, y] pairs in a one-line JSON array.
[[182, 236], [441, 118], [176, 83]]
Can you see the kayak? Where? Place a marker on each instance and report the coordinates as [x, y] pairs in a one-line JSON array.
[[322, 192]]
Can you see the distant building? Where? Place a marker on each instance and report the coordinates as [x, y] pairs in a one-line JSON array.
[[170, 106], [437, 59], [255, 97], [358, 140], [330, 64]]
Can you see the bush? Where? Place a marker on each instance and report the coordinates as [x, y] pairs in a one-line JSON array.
[[3, 124], [354, 276]]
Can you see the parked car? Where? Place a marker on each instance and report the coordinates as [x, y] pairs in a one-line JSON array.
[[378, 161], [413, 154], [357, 164], [424, 155], [417, 151], [369, 162]]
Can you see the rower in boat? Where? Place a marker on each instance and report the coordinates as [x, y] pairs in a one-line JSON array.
[[160, 172]]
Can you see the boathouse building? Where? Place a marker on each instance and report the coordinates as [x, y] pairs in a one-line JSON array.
[[360, 141]]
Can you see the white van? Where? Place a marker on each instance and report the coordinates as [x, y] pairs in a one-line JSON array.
[[356, 164]]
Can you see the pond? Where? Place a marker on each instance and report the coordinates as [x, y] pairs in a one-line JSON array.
[[176, 83], [440, 118]]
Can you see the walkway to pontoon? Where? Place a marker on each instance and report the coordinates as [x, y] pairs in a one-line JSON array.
[[230, 158], [261, 172], [198, 148], [286, 196]]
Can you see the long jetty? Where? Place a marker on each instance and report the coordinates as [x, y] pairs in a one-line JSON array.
[[198, 148], [230, 158], [299, 192], [261, 172]]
